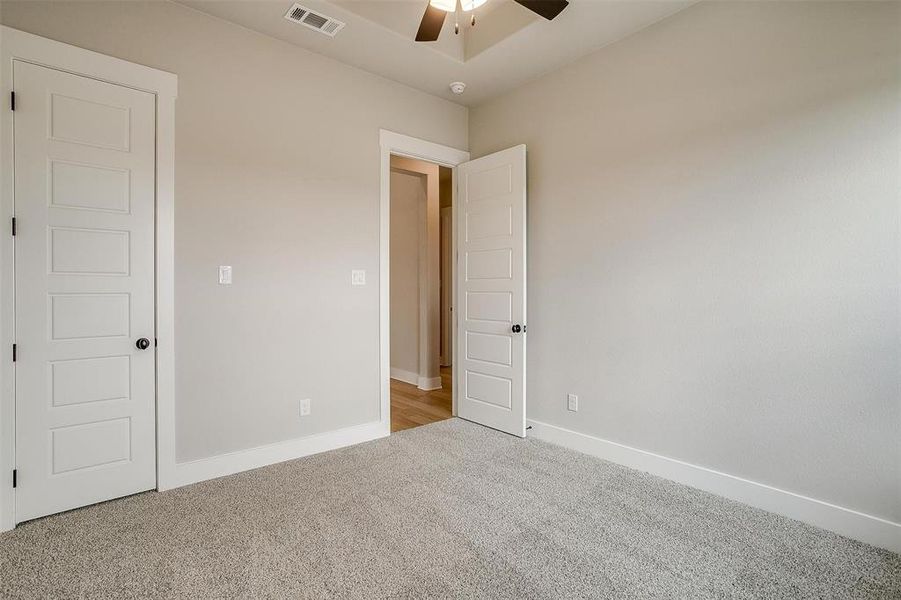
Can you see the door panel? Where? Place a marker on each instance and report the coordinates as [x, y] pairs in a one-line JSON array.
[[492, 290], [84, 201]]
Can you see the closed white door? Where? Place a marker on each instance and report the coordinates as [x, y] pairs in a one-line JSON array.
[[84, 205], [491, 303]]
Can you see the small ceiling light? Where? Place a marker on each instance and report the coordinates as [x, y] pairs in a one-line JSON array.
[[458, 87], [446, 5], [451, 5]]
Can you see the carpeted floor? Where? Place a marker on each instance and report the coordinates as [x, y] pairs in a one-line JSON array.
[[450, 510]]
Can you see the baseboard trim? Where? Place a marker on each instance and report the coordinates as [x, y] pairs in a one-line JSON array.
[[203, 469], [860, 526], [405, 376], [428, 384]]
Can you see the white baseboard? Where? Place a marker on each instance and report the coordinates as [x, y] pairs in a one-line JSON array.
[[194, 471], [405, 376], [428, 384], [844, 521]]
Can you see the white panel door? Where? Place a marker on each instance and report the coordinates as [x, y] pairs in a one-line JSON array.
[[491, 302], [84, 202]]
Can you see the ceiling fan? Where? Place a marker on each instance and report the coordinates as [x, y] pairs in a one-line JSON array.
[[436, 11]]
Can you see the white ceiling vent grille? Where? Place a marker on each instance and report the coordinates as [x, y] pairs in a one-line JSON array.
[[313, 20]]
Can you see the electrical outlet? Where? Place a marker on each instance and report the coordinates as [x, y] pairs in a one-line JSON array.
[[572, 402], [305, 407]]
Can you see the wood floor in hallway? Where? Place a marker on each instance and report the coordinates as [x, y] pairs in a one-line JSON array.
[[412, 407]]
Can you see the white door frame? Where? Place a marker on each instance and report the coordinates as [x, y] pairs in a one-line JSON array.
[[18, 45], [402, 145]]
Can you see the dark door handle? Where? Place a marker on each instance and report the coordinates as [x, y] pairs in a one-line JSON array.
[[517, 328], [142, 343]]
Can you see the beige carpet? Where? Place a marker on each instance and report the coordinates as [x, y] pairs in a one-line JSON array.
[[450, 510]]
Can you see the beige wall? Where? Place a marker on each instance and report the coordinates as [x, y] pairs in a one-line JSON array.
[[714, 243], [446, 245], [429, 275], [408, 200], [277, 174]]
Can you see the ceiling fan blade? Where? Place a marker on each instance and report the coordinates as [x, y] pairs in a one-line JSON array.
[[546, 8], [432, 22]]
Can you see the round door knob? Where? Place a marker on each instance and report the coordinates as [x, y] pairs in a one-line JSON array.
[[142, 343], [517, 328]]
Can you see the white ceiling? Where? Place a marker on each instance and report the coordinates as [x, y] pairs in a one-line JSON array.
[[508, 46]]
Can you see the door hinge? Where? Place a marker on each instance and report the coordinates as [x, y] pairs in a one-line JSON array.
[[14, 226], [15, 353], [12, 101], [15, 471]]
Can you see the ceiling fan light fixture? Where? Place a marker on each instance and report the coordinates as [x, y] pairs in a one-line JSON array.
[[445, 5], [469, 5], [436, 13]]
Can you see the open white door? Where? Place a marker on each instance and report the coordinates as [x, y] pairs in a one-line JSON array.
[[491, 240]]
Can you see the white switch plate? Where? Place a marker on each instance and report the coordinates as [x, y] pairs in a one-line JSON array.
[[358, 277], [305, 407], [572, 402], [225, 275]]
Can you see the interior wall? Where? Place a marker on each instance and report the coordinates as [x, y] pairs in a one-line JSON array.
[[446, 245], [445, 187], [428, 375], [714, 243], [408, 199], [277, 174]]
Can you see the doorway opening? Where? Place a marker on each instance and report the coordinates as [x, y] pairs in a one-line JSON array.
[[421, 292]]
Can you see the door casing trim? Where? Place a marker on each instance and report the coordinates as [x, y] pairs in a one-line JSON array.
[[410, 147], [26, 47]]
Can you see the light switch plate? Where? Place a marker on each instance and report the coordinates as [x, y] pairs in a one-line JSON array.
[[225, 275], [358, 277], [305, 407]]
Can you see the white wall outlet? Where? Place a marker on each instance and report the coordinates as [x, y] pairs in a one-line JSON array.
[[225, 275], [305, 407], [358, 277], [572, 402]]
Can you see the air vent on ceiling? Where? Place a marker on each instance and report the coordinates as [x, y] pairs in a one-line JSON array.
[[313, 20]]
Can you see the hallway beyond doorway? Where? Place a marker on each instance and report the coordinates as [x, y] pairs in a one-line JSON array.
[[412, 407]]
